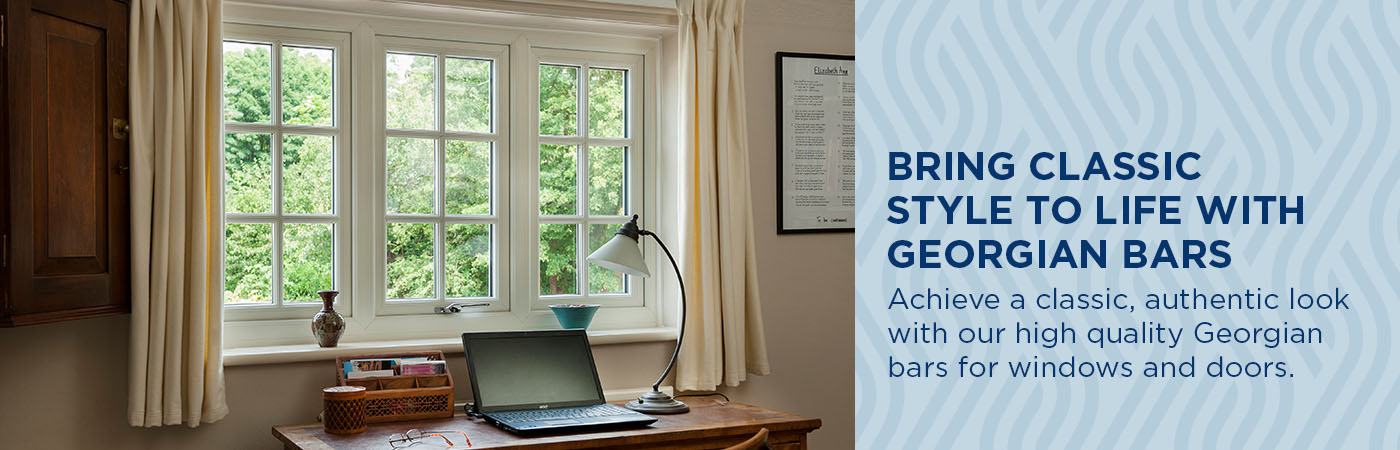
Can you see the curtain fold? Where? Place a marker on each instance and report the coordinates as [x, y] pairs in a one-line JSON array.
[[719, 262], [176, 359]]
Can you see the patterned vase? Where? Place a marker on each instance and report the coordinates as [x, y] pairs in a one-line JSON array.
[[328, 325]]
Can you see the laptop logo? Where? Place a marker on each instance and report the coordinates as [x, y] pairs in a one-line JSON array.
[[544, 406]]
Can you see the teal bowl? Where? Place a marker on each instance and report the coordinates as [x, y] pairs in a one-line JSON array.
[[574, 315]]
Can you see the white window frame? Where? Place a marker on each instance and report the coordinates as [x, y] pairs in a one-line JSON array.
[[636, 197], [373, 319], [501, 151], [339, 131]]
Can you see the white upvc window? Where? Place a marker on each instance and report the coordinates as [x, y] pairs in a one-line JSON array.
[[285, 133], [413, 164], [445, 221], [588, 172]]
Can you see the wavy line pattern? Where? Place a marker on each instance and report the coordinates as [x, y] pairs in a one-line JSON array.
[[1289, 97]]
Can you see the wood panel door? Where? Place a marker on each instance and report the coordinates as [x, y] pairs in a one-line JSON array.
[[69, 212]]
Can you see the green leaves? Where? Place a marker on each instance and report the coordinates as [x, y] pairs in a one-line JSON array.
[[410, 260], [410, 175], [307, 260], [248, 263], [604, 171], [607, 101], [248, 173], [558, 100], [430, 197], [247, 82], [408, 91], [308, 174], [412, 168], [468, 177], [468, 100], [307, 84]]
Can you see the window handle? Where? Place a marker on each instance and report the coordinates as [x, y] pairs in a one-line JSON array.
[[456, 307]]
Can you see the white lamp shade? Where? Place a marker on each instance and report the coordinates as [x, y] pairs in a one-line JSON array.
[[621, 254]]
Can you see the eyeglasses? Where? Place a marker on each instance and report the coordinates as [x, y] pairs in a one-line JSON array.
[[413, 437]]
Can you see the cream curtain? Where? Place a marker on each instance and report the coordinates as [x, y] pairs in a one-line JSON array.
[[176, 366], [725, 323]]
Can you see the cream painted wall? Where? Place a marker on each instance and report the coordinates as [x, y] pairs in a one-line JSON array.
[[64, 385], [806, 281]]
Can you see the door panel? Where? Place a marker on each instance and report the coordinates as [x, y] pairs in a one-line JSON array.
[[69, 147], [67, 244]]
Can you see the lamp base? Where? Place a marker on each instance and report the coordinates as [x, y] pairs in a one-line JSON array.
[[657, 402]]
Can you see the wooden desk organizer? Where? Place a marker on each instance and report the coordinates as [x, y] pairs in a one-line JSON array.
[[402, 397]]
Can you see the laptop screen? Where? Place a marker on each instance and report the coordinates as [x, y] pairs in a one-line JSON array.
[[531, 369]]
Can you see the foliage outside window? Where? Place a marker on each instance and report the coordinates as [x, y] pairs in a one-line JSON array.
[[440, 153], [439, 150], [583, 174], [279, 157]]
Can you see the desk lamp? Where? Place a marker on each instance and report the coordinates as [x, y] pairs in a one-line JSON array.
[[624, 254]]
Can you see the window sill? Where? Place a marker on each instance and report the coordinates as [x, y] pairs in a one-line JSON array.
[[280, 354]]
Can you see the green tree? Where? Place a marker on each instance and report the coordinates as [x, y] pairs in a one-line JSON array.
[[559, 174], [307, 173], [308, 166]]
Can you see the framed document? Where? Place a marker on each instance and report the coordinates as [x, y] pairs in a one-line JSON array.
[[816, 143]]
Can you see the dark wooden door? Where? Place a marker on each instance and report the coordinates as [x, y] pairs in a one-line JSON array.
[[67, 247]]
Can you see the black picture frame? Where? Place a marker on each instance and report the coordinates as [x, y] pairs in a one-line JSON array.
[[778, 111]]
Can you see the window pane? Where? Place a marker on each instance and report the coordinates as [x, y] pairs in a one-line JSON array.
[[558, 179], [248, 263], [468, 260], [468, 177], [600, 280], [410, 175], [308, 174], [468, 95], [247, 173], [558, 259], [307, 262], [308, 86], [247, 82], [409, 82], [607, 102], [410, 260], [607, 180], [558, 100]]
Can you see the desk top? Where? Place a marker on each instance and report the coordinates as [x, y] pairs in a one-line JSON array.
[[707, 419]]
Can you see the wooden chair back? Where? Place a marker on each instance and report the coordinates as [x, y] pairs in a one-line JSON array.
[[759, 441]]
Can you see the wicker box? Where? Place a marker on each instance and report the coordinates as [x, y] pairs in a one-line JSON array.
[[402, 397]]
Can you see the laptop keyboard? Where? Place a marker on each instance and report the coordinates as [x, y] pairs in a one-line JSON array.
[[581, 412]]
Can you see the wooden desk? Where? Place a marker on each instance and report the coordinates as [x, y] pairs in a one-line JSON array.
[[710, 424]]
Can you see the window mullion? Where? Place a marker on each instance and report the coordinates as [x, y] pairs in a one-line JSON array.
[[581, 236], [276, 263], [275, 110], [440, 236]]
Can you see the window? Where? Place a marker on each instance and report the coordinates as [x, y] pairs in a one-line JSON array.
[[429, 163], [284, 132], [586, 121], [443, 143]]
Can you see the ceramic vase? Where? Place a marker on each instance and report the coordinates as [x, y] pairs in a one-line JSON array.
[[328, 325]]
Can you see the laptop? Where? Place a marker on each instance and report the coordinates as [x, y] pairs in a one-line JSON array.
[[529, 382]]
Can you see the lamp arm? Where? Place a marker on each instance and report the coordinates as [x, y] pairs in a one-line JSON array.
[[680, 337]]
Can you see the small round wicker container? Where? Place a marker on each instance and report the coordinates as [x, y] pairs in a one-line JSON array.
[[345, 409]]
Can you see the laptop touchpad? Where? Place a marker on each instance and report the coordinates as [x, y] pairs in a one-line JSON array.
[[559, 422]]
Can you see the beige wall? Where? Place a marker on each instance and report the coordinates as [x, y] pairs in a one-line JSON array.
[[807, 281], [64, 385]]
